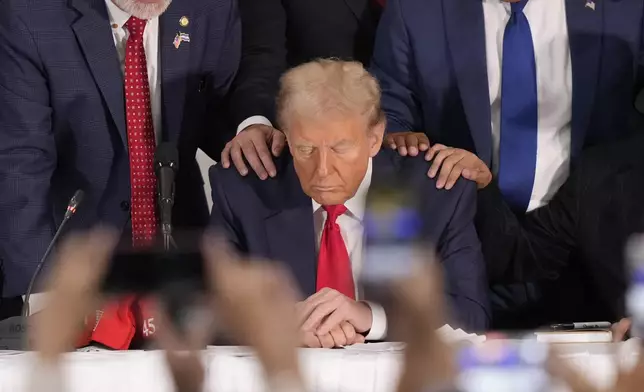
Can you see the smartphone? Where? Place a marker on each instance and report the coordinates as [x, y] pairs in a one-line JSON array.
[[393, 229], [154, 271], [394, 242], [504, 366]]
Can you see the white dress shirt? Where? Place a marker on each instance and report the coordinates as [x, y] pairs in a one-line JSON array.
[[118, 18], [549, 29], [353, 234]]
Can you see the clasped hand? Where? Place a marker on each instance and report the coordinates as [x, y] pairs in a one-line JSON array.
[[330, 319]]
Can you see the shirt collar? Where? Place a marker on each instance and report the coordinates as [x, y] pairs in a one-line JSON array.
[[356, 205], [117, 16]]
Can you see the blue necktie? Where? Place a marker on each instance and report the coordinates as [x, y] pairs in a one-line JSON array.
[[519, 112]]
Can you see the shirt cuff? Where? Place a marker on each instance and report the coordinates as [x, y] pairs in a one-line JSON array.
[[37, 302], [253, 120], [378, 329]]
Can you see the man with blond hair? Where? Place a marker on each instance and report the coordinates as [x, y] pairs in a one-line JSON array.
[[87, 90], [310, 215]]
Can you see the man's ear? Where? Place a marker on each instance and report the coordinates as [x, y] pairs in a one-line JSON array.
[[376, 134], [288, 145]]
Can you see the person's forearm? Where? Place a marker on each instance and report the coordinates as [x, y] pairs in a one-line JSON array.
[[534, 247], [263, 59], [469, 314], [498, 230]]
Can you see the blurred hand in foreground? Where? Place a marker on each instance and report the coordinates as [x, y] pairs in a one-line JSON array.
[[72, 287], [621, 329], [626, 381], [255, 300], [419, 312], [183, 353], [73, 291]]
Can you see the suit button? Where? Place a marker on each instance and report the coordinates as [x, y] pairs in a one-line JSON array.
[[125, 206]]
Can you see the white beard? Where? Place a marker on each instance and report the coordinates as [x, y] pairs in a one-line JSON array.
[[143, 10]]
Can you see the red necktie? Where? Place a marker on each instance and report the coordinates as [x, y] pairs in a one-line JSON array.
[[381, 2], [115, 325], [334, 266], [140, 136]]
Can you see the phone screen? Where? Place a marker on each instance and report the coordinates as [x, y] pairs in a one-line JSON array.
[[145, 272], [393, 245], [393, 232], [504, 366]]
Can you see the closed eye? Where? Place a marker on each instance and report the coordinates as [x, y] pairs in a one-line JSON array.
[[305, 150], [342, 147]]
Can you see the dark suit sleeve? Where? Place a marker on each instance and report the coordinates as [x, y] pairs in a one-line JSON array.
[[263, 59], [27, 153], [636, 122], [532, 249], [231, 54], [460, 251], [393, 65], [219, 128], [222, 220]]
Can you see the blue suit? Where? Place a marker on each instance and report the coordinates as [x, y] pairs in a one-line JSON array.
[[62, 116], [430, 59], [274, 219]]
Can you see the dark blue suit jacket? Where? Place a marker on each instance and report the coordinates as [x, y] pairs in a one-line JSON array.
[[62, 116], [274, 219], [430, 59]]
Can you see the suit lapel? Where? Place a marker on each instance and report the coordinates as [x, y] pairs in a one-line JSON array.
[[357, 7], [290, 232], [93, 32], [291, 239], [465, 27], [175, 63], [585, 36]]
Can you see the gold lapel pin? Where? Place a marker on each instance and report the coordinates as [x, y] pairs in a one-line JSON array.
[[183, 22]]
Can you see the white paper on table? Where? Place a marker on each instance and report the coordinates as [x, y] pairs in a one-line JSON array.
[[233, 351], [451, 336], [323, 367], [359, 370], [446, 332], [380, 347], [7, 353], [628, 353]]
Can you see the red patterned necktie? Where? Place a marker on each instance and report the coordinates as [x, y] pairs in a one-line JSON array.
[[140, 136], [115, 325], [334, 266]]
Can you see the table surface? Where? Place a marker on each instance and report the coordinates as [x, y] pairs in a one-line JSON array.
[[366, 368]]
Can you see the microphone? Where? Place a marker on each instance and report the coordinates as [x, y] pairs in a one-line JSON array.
[[14, 329], [72, 207], [166, 165]]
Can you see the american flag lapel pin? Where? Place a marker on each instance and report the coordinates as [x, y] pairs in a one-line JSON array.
[[179, 38], [590, 4]]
